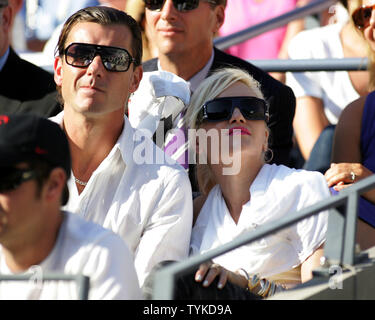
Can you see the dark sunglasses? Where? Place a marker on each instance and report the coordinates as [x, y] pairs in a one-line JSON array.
[[180, 5], [114, 59], [361, 16], [221, 109], [11, 178]]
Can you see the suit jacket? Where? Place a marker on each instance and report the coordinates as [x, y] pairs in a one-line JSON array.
[[27, 88], [280, 98]]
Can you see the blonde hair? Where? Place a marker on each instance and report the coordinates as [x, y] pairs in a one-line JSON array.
[[209, 89]]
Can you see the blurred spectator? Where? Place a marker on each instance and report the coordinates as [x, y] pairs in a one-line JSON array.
[[17, 34], [117, 4], [136, 8], [24, 87], [321, 96], [36, 237], [43, 16], [353, 154], [242, 14]]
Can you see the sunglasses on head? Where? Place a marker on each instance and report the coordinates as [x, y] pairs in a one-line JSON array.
[[221, 109], [180, 5], [361, 16], [11, 178], [114, 59]]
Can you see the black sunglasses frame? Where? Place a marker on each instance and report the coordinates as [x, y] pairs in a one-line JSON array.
[[180, 5], [12, 178], [362, 15], [100, 50], [252, 108]]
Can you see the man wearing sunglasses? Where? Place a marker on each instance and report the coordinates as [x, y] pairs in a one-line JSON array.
[[36, 237], [183, 31], [147, 203], [24, 87]]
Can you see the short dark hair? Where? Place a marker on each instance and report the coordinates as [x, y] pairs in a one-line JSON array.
[[104, 16], [43, 170], [223, 2]]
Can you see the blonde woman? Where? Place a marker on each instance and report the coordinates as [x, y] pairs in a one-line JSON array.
[[231, 104]]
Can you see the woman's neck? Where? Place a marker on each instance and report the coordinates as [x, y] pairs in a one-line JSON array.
[[236, 189]]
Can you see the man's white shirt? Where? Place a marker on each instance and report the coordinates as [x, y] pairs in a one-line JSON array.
[[148, 204], [81, 248]]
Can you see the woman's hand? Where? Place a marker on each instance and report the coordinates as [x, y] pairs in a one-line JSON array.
[[208, 271], [340, 175]]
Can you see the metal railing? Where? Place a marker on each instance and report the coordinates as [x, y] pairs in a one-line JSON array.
[[83, 282], [304, 65], [339, 246], [253, 31]]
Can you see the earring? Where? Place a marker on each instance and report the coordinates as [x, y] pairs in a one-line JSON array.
[[268, 155]]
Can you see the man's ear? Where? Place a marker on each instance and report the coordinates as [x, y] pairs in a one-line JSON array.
[[6, 19], [54, 185], [58, 74], [136, 79], [220, 16]]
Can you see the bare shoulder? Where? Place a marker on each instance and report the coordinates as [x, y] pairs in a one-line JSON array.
[[346, 145], [354, 110]]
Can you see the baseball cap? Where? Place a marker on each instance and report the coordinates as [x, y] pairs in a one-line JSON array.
[[26, 137]]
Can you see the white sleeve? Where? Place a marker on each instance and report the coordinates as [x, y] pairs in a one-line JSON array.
[[110, 266], [310, 233], [303, 83], [167, 233]]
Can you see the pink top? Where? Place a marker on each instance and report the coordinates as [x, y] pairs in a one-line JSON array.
[[241, 14]]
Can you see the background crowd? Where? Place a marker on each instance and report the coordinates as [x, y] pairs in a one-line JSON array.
[[89, 88]]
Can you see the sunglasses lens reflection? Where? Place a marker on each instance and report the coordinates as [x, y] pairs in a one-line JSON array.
[[81, 55]]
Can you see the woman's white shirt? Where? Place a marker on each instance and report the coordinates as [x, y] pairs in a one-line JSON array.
[[276, 192]]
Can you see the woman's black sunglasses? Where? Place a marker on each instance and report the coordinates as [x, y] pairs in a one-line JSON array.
[[11, 178], [114, 59], [180, 5], [221, 109]]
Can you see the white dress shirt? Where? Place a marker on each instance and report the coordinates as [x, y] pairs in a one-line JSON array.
[[148, 204], [276, 192], [81, 248]]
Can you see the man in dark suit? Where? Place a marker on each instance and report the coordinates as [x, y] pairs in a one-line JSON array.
[[24, 87], [185, 44]]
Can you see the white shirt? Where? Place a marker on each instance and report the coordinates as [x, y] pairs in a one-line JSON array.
[[81, 248], [276, 192], [334, 88], [148, 205]]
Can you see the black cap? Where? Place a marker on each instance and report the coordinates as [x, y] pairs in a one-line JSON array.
[[25, 137]]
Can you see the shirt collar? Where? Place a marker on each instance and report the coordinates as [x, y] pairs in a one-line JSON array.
[[4, 59], [125, 142], [196, 79]]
